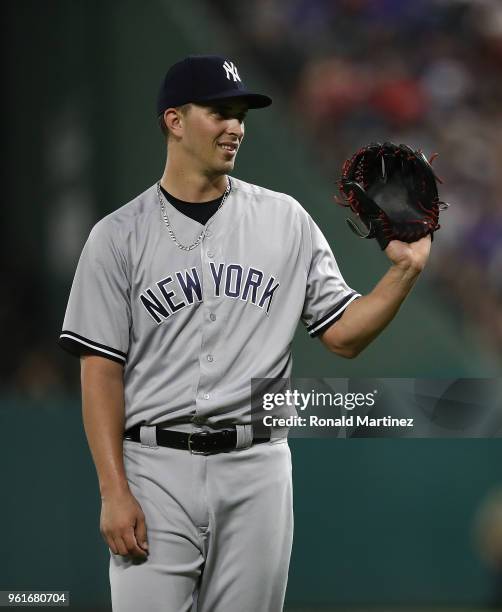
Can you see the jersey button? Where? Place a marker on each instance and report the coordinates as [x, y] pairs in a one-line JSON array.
[[212, 316], [206, 396], [210, 254], [209, 233], [210, 358]]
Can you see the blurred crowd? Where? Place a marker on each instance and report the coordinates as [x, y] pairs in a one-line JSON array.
[[426, 73]]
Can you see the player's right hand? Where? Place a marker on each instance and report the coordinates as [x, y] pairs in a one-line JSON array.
[[123, 526]]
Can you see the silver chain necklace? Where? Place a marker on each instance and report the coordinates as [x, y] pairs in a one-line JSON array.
[[169, 226]]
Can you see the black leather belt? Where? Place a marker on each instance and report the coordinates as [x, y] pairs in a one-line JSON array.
[[198, 443]]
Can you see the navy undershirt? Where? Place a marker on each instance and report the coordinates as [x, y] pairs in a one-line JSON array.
[[198, 211]]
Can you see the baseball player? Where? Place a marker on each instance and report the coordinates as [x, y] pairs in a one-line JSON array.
[[180, 298]]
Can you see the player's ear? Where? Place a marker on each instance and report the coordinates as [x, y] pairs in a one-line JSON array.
[[173, 120]]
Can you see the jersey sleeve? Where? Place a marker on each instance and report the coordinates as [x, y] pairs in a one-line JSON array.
[[98, 313], [327, 294]]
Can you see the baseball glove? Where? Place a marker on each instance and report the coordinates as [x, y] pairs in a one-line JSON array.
[[393, 191]]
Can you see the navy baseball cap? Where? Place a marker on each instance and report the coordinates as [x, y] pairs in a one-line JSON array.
[[204, 79]]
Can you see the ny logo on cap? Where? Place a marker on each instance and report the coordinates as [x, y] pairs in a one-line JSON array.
[[231, 70]]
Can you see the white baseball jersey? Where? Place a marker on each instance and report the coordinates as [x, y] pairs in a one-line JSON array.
[[192, 328]]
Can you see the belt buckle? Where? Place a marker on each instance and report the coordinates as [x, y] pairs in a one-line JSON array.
[[199, 433]]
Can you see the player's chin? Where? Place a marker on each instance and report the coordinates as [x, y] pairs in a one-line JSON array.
[[227, 165], [227, 159]]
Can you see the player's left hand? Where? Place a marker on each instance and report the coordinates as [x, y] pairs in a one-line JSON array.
[[409, 255]]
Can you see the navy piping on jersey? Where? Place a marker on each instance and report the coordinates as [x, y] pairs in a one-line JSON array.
[[333, 315], [79, 345]]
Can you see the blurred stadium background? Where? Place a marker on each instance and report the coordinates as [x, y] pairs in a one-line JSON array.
[[412, 524]]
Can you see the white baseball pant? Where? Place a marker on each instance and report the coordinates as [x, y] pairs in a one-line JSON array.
[[220, 528]]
